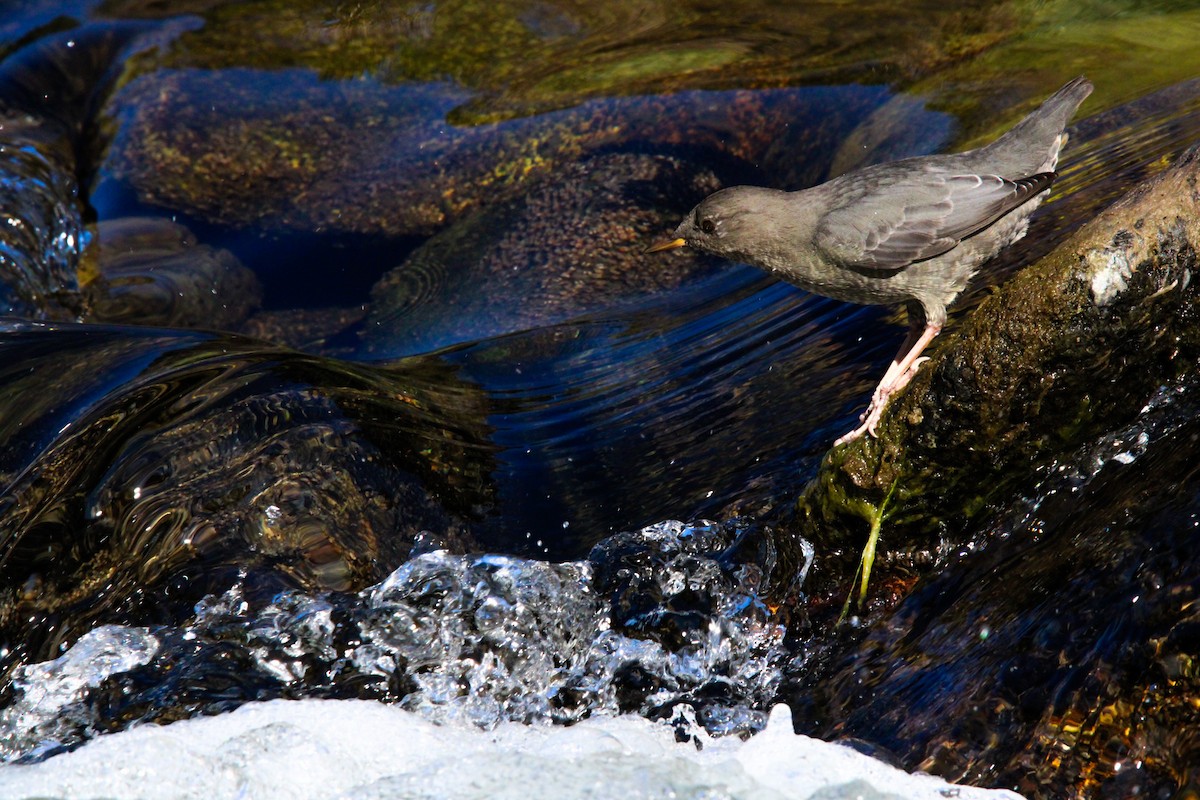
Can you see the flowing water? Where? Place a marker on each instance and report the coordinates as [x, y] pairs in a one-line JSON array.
[[333, 371]]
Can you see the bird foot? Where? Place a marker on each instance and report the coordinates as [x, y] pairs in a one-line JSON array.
[[874, 411], [869, 419], [851, 436]]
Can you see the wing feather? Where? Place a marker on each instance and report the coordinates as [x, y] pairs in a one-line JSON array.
[[917, 216]]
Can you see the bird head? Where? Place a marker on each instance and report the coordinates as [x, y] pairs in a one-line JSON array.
[[720, 224]]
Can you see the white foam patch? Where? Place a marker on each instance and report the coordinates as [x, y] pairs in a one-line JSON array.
[[1110, 273], [362, 750]]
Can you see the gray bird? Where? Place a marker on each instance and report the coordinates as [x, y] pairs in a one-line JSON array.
[[911, 231]]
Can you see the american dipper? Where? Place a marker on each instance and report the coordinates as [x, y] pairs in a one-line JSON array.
[[911, 231]]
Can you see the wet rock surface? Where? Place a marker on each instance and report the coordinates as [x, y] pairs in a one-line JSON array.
[[1073, 631]]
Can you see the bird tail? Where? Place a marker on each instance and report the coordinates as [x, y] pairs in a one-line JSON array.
[[1032, 145]]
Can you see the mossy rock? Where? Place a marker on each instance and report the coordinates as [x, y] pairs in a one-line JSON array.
[[287, 150]]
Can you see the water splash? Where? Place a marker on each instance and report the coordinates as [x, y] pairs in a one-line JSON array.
[[661, 622], [48, 90], [48, 709], [41, 229]]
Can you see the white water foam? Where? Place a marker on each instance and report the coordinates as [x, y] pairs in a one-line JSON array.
[[362, 750]]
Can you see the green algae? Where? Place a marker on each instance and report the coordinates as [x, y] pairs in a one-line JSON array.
[[520, 57], [523, 55], [656, 64], [1124, 49], [875, 516]]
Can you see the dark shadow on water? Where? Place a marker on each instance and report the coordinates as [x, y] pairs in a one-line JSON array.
[[719, 407]]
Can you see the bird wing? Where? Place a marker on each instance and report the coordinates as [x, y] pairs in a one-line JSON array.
[[917, 216]]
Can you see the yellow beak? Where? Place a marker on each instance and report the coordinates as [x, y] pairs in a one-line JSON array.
[[658, 248]]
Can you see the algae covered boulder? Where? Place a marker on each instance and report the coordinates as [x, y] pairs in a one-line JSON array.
[[288, 151]]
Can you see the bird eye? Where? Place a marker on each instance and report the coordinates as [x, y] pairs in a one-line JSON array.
[[707, 225]]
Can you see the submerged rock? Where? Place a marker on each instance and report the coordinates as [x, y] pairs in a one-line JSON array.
[[153, 272], [570, 245], [145, 469], [521, 57], [285, 149]]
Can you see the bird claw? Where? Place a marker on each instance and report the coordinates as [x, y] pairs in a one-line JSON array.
[[869, 418], [870, 421], [891, 384], [851, 436]]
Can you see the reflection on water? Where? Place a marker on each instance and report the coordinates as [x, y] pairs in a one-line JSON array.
[[285, 525], [152, 271], [611, 424]]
